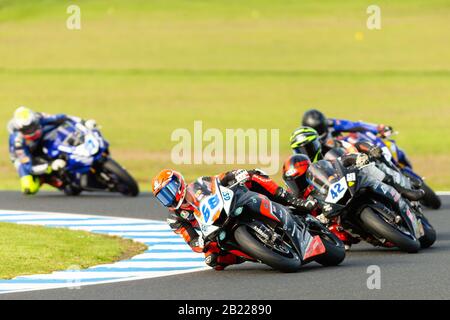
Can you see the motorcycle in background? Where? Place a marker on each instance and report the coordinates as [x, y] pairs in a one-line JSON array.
[[368, 209], [392, 154], [88, 164]]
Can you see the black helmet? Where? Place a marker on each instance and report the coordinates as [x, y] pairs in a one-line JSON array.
[[294, 173], [305, 140], [315, 119]]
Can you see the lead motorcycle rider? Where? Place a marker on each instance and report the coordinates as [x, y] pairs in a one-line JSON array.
[[27, 130], [169, 187]]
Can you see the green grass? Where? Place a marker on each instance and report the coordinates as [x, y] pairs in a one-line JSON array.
[[26, 250], [145, 68]]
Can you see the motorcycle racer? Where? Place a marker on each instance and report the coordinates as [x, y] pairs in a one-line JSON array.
[[295, 171], [328, 127], [306, 140], [170, 188], [27, 129]]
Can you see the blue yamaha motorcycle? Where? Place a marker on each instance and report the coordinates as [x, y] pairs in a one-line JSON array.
[[393, 154], [89, 166]]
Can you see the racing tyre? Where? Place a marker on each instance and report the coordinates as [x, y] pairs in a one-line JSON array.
[[429, 238], [251, 245], [335, 250], [72, 191], [374, 223], [126, 184], [430, 199]]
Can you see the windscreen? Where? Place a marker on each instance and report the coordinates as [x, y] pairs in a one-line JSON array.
[[321, 175]]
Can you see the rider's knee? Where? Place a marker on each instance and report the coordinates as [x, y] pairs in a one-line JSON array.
[[29, 185]]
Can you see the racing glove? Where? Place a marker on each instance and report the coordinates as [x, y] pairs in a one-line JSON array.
[[375, 152], [361, 160], [385, 131], [90, 124], [58, 165], [302, 206]]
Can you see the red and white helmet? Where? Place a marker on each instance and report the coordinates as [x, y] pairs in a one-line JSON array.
[[169, 187]]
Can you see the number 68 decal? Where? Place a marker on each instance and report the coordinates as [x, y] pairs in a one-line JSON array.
[[208, 206]]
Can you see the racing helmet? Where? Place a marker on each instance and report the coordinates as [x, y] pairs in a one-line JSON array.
[[315, 119], [305, 140], [294, 173], [27, 122], [169, 187]]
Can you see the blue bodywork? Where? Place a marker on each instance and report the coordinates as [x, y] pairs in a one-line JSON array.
[[401, 161], [80, 147]]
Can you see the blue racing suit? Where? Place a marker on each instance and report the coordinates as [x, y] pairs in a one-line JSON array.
[[23, 151], [338, 126]]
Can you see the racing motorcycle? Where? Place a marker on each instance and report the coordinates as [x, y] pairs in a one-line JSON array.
[[366, 208], [250, 226], [391, 154], [89, 166]]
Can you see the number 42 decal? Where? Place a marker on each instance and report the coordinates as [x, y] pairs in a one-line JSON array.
[[337, 191]]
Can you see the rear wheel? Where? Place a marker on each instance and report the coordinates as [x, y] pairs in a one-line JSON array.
[[249, 242], [378, 226], [125, 183], [430, 199]]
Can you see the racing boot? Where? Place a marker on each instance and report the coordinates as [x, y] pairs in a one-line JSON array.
[[410, 194], [218, 259], [415, 182]]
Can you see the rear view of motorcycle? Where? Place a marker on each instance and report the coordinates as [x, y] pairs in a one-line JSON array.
[[248, 225], [88, 164], [369, 209]]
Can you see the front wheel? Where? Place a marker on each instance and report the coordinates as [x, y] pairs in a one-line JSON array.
[[335, 250], [378, 226], [430, 199], [125, 183], [72, 191], [429, 237], [252, 245]]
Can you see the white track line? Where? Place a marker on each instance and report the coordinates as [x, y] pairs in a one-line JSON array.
[[167, 255]]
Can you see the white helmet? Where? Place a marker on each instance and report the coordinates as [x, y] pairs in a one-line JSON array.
[[27, 122]]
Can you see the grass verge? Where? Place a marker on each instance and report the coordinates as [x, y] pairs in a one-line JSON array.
[[26, 250]]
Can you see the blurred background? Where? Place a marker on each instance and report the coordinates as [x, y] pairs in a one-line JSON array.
[[144, 68]]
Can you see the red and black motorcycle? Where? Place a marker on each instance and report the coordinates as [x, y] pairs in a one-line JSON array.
[[249, 225]]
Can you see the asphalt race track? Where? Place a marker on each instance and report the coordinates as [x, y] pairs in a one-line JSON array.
[[424, 275]]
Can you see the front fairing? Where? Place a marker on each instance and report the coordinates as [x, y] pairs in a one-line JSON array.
[[80, 147], [332, 181], [212, 205]]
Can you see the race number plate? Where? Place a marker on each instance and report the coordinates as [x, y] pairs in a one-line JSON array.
[[337, 191]]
